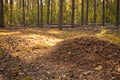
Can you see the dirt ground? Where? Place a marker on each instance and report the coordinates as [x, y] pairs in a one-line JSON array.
[[24, 54]]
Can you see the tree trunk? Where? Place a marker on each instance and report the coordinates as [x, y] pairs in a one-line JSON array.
[[41, 13], [51, 11], [48, 12], [6, 1], [6, 5], [82, 12], [73, 13], [11, 10], [103, 13], [1, 13], [60, 14], [38, 12], [87, 11], [117, 13], [94, 11], [23, 5]]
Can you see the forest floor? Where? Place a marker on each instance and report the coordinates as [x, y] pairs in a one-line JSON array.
[[23, 54]]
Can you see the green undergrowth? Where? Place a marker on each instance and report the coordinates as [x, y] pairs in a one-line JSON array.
[[113, 36]]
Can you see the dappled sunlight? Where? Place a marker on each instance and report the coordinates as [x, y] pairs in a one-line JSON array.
[[54, 31], [34, 42], [41, 39], [9, 33], [111, 35], [102, 33], [33, 30]]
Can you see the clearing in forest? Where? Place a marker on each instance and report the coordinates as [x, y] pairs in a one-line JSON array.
[[52, 54]]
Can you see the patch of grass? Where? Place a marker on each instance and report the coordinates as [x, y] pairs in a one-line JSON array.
[[111, 35]]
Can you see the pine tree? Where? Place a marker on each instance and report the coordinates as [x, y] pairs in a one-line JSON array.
[[1, 13]]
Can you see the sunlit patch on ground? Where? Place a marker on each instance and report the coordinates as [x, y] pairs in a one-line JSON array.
[[103, 31], [54, 32], [9, 33], [41, 39], [110, 35]]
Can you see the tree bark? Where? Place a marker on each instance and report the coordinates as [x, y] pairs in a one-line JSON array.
[[94, 11], [1, 13], [23, 5], [60, 14], [51, 11], [11, 10], [48, 12], [41, 13], [73, 13], [87, 11], [117, 13], [82, 12], [38, 12], [103, 13]]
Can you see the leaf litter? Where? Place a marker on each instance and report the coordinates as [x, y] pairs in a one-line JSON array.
[[76, 58]]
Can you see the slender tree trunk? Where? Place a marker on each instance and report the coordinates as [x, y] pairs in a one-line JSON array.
[[51, 11], [48, 12], [73, 13], [103, 13], [41, 12], [23, 5], [1, 13], [6, 5], [94, 11], [6, 1], [82, 12], [60, 14], [11, 10], [117, 13], [87, 11], [107, 8], [6, 11], [38, 12]]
